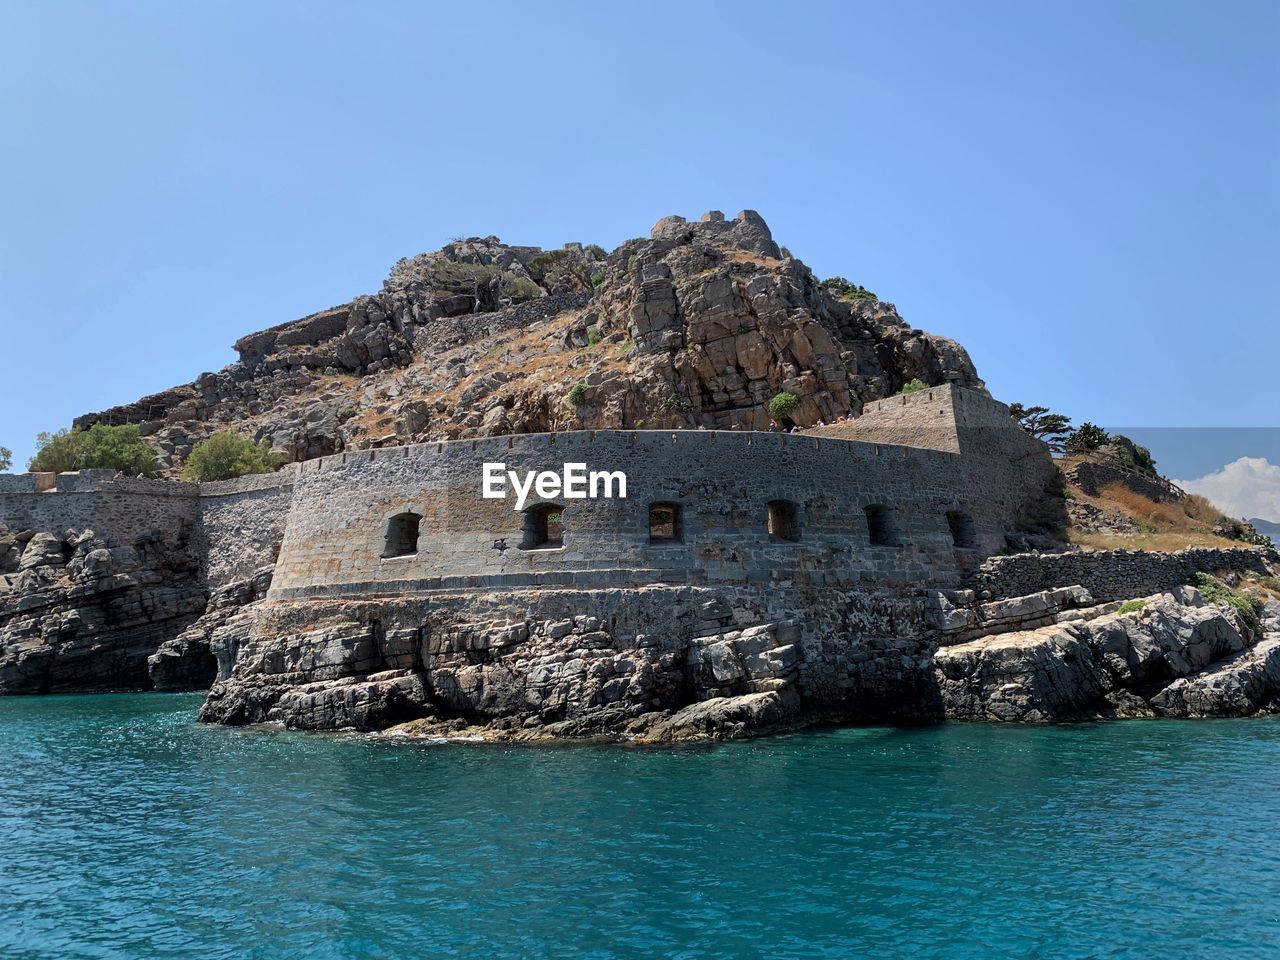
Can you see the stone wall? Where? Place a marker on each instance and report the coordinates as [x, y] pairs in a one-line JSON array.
[[241, 524], [116, 508], [1112, 574], [722, 482], [1008, 478]]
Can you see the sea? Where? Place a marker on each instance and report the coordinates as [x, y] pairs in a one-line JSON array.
[[128, 830]]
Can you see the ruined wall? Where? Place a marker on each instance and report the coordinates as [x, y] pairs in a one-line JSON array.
[[1112, 574], [722, 481], [241, 524]]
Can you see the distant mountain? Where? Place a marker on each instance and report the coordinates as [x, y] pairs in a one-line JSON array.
[[1268, 529]]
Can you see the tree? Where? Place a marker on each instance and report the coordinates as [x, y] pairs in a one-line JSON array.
[[1087, 438], [226, 455], [1042, 424], [6, 458], [912, 386], [99, 448]]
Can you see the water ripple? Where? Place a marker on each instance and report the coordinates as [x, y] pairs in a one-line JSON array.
[[129, 831]]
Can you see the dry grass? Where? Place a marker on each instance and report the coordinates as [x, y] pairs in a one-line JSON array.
[[1164, 542], [1164, 525]]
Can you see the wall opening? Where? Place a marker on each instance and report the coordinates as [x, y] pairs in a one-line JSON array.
[[402, 535], [964, 532], [784, 520], [544, 527], [665, 524], [882, 525]]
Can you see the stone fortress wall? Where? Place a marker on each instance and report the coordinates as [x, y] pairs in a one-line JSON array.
[[117, 508], [230, 528], [241, 524], [941, 475]]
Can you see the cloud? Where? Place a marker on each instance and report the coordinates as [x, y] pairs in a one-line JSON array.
[[1248, 487]]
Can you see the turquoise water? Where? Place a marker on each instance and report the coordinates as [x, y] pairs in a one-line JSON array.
[[127, 830]]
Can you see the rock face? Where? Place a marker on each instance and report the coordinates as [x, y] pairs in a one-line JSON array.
[[698, 325], [79, 614], [192, 659], [1178, 656], [576, 676]]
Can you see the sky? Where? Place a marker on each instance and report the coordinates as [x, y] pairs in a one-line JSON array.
[[1085, 195]]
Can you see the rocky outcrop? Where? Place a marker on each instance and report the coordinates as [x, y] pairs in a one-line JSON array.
[[77, 613], [511, 678], [188, 661], [698, 325], [1176, 656]]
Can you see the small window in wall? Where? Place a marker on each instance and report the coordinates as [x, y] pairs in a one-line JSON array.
[[784, 520], [664, 523], [964, 534], [882, 527], [544, 527], [402, 535]]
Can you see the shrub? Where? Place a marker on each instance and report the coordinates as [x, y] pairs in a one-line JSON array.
[[849, 291], [597, 278], [519, 288], [226, 455], [782, 405], [1270, 583], [786, 254], [6, 458], [1087, 438], [1132, 606], [594, 336], [595, 251], [577, 394], [1215, 591], [913, 386], [99, 448]]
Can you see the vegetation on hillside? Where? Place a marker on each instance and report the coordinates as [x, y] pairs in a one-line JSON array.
[[912, 386], [849, 291], [1043, 424], [6, 458], [1215, 591], [226, 455], [782, 405], [99, 448]]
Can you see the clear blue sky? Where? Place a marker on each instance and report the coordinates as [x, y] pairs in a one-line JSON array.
[[1086, 195]]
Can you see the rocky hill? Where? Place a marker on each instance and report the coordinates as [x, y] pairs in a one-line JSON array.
[[698, 325]]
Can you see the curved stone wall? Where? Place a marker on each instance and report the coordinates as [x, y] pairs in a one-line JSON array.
[[336, 532]]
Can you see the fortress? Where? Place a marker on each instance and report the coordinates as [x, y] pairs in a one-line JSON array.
[[748, 580]]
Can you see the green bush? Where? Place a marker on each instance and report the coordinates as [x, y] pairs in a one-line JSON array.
[[577, 395], [6, 458], [595, 251], [518, 288], [99, 448], [1132, 606], [782, 405], [912, 386], [1087, 438], [1215, 591], [594, 336], [225, 456], [849, 291], [597, 278]]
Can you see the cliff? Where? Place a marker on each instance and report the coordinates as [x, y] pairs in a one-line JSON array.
[[697, 326]]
